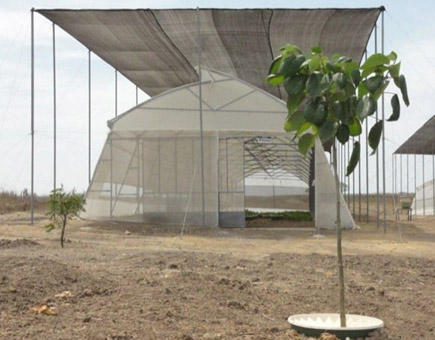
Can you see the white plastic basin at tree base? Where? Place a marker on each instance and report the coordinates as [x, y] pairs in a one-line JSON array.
[[357, 326]]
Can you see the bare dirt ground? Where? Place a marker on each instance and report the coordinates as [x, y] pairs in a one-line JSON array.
[[150, 283]]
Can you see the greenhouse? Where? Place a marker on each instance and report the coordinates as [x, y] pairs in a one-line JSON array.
[[183, 156], [150, 169]]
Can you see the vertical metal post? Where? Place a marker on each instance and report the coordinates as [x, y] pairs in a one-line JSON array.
[[367, 170], [89, 117], [359, 184], [200, 117], [424, 194], [111, 176], [415, 182], [393, 185], [377, 151], [32, 114], [383, 135], [348, 177], [353, 188], [137, 96], [401, 176], [54, 109], [433, 168], [116, 93], [407, 174]]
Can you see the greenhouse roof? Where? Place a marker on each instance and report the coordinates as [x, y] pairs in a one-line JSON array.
[[157, 50], [422, 142]]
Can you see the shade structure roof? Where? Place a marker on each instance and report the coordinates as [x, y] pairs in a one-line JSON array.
[[158, 49], [422, 142]]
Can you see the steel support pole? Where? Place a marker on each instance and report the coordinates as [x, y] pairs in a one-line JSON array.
[[377, 151], [359, 184], [407, 174], [137, 96], [353, 188], [393, 185], [367, 160], [401, 176], [89, 117], [383, 135], [424, 194], [367, 171], [348, 178], [32, 114], [54, 109], [116, 93], [415, 181], [200, 117]]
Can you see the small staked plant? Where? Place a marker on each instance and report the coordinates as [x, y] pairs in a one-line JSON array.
[[329, 99], [62, 207]]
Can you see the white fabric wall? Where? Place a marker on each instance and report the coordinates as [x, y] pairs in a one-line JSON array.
[[325, 195], [153, 179], [424, 205]]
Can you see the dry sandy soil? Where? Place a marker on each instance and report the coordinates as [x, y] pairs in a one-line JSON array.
[[150, 283]]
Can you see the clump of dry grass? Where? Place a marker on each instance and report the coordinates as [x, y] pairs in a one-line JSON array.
[[11, 201]]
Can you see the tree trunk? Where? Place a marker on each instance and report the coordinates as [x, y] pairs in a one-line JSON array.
[[62, 234], [339, 250]]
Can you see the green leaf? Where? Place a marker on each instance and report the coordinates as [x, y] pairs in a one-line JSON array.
[[356, 77], [291, 65], [340, 79], [314, 63], [275, 79], [366, 107], [304, 127], [380, 90], [342, 133], [354, 158], [294, 121], [339, 96], [392, 56], [327, 131], [317, 84], [355, 128], [362, 90], [375, 135], [316, 49], [315, 112], [394, 70], [374, 83], [294, 102], [306, 142], [49, 227], [275, 65], [395, 105], [337, 109], [374, 61], [290, 49], [295, 85], [400, 82]]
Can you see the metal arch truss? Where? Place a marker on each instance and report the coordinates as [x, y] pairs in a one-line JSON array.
[[277, 157]]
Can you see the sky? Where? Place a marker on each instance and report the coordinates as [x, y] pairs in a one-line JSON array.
[[409, 31]]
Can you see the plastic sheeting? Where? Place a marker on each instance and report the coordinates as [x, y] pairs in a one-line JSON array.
[[158, 49], [325, 197], [423, 203]]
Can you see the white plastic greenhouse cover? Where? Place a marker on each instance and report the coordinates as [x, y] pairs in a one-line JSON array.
[[423, 203], [150, 167]]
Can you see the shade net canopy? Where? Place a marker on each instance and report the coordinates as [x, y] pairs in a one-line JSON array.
[[158, 49], [422, 142], [150, 169]]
